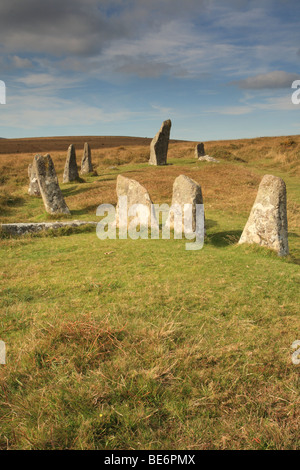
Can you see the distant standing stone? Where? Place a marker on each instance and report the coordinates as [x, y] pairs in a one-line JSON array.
[[185, 191], [199, 150], [136, 194], [71, 171], [48, 184], [159, 145], [86, 162], [34, 189], [267, 224]]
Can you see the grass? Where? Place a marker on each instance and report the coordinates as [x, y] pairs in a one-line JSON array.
[[123, 344]]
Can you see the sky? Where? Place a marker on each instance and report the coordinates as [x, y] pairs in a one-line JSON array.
[[219, 69]]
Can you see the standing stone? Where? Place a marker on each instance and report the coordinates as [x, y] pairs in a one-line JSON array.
[[185, 191], [199, 150], [86, 162], [136, 194], [159, 145], [201, 155], [71, 171], [34, 189], [267, 223], [48, 184]]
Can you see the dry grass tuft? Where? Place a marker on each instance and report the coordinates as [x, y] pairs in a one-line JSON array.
[[82, 343]]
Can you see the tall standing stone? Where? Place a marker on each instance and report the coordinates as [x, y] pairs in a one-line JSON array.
[[136, 194], [267, 224], [159, 145], [48, 183], [185, 191], [71, 170], [34, 189], [199, 150], [86, 162]]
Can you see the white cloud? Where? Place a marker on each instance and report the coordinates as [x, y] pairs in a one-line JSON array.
[[21, 63], [50, 81], [231, 110], [252, 103], [270, 80], [163, 110], [41, 109], [279, 103]]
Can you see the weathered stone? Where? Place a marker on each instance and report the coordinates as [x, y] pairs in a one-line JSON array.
[[86, 162], [136, 194], [159, 145], [185, 191], [267, 224], [34, 189], [199, 150], [48, 184], [22, 228], [207, 158], [71, 170]]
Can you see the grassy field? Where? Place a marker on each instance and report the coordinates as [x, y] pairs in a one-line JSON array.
[[123, 344]]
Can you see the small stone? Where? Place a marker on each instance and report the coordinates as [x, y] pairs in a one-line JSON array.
[[159, 145], [71, 170], [267, 224], [48, 184], [86, 162], [207, 158], [34, 189]]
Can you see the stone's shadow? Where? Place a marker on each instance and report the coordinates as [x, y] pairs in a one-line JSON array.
[[293, 235], [138, 170], [73, 191], [209, 223], [15, 201], [222, 239], [86, 211], [7, 204], [112, 178]]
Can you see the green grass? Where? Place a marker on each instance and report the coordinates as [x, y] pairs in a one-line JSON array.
[[124, 344]]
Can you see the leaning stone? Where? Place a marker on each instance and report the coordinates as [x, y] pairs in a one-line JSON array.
[[185, 191], [207, 158], [49, 187], [159, 145], [136, 194], [71, 171], [199, 150], [34, 189], [267, 224], [86, 162]]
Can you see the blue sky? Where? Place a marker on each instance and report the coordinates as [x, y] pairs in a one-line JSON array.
[[217, 69]]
